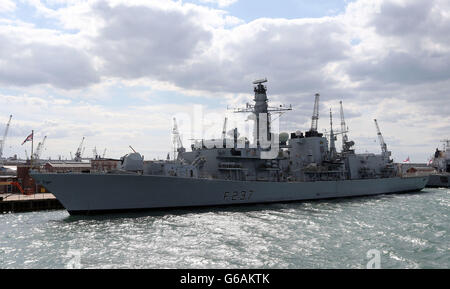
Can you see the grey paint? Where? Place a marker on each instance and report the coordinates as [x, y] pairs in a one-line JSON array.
[[95, 192], [232, 173]]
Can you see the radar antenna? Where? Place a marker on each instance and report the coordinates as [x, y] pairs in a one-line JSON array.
[[259, 81]]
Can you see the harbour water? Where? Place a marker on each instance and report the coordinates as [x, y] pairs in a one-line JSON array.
[[408, 231]]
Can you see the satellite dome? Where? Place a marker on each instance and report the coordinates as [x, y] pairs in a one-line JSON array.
[[284, 136]]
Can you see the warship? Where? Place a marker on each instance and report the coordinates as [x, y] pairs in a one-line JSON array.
[[441, 163], [274, 167]]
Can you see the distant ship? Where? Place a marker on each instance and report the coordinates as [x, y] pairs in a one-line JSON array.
[[441, 162], [273, 168]]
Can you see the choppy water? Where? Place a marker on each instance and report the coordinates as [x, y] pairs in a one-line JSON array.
[[409, 230]]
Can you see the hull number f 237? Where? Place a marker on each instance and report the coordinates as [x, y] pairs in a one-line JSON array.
[[237, 195]]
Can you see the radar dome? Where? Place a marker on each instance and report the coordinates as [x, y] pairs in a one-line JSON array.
[[284, 136]]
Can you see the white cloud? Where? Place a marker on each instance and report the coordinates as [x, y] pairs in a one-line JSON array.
[[220, 3], [7, 6], [41, 63]]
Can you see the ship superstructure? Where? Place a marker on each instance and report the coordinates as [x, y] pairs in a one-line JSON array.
[[306, 156], [441, 163]]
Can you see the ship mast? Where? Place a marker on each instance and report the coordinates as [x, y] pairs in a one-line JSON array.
[[224, 132], [346, 144], [261, 107], [332, 138], [343, 129]]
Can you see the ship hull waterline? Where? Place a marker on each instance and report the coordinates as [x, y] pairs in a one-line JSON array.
[[441, 180], [82, 193]]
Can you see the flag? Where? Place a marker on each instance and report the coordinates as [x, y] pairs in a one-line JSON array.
[[30, 137], [429, 162], [407, 160]]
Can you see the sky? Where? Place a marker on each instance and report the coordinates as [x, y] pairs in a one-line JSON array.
[[117, 72]]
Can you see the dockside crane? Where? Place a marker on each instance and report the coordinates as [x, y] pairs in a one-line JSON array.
[[39, 149], [95, 153], [314, 119], [104, 153], [384, 150], [3, 140], [78, 153], [176, 139], [315, 116]]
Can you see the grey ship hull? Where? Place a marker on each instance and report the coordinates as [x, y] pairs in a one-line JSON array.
[[102, 193], [439, 181]]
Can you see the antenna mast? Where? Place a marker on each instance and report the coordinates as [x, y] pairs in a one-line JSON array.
[[224, 131], [343, 128], [332, 144], [261, 106], [346, 144]]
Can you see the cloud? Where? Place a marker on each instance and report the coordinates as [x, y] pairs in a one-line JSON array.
[[412, 44], [220, 3], [401, 67], [145, 41], [7, 6], [47, 60]]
